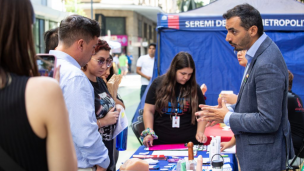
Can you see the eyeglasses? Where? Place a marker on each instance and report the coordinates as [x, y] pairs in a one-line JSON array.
[[102, 61]]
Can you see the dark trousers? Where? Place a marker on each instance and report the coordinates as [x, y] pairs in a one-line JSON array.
[[129, 67], [142, 90]]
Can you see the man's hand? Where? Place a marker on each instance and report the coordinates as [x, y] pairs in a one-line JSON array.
[[212, 115], [98, 168], [201, 137], [148, 78]]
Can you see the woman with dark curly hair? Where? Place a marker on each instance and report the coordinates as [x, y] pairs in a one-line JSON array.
[[171, 103], [105, 109]]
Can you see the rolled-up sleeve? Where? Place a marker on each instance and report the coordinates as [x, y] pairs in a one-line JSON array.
[[79, 98]]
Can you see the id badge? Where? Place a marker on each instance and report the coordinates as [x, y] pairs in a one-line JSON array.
[[175, 122]]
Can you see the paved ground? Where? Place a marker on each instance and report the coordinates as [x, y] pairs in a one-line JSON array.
[[129, 90]]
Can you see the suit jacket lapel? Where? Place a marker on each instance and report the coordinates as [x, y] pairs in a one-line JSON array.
[[260, 50]]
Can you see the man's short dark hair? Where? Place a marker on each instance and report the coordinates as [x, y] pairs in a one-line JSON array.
[[152, 44], [51, 39], [76, 27], [249, 16]]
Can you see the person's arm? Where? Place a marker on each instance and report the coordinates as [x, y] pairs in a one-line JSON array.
[[229, 144], [79, 98], [200, 132], [138, 71], [148, 117], [48, 118], [201, 126], [110, 118]]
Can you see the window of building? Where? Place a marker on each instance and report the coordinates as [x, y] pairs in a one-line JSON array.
[[145, 30], [44, 2], [117, 25], [154, 34], [39, 29], [139, 28], [150, 32], [53, 24]]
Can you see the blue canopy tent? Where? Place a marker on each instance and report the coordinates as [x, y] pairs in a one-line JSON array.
[[202, 33]]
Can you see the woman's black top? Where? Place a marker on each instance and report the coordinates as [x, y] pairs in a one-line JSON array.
[[163, 123], [296, 119], [17, 138], [103, 104]]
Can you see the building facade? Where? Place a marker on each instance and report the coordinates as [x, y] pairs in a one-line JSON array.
[[130, 22], [48, 15]]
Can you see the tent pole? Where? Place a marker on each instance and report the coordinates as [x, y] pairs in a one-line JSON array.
[[158, 51]]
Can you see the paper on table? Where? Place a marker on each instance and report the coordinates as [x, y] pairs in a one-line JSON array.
[[173, 153], [168, 147], [122, 121]]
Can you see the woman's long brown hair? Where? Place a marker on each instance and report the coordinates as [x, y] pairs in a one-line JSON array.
[[166, 91], [17, 52]]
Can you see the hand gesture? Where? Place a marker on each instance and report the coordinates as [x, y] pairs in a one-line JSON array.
[[201, 137], [148, 141], [212, 115]]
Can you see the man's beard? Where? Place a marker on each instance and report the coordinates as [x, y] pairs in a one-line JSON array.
[[243, 45]]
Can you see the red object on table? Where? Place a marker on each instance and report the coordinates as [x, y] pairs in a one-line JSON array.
[[216, 130]]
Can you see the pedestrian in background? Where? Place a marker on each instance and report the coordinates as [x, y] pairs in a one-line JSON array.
[[116, 64], [130, 59], [123, 64], [144, 68], [34, 125]]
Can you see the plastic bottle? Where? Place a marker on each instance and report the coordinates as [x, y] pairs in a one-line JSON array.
[[121, 140]]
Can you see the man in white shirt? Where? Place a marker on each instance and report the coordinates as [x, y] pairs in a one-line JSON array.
[[78, 37], [145, 66]]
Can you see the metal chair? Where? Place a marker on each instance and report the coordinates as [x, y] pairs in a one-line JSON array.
[[137, 128], [294, 168]]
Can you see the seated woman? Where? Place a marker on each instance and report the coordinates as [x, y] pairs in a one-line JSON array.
[[171, 103], [295, 117]]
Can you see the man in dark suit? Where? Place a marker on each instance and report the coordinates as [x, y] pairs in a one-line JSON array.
[[259, 119]]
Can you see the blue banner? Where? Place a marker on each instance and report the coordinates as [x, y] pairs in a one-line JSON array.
[[291, 22]]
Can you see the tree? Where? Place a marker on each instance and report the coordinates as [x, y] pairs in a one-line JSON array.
[[73, 6], [189, 4]]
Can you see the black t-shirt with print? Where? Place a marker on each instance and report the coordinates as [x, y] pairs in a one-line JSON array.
[[103, 103], [163, 123]]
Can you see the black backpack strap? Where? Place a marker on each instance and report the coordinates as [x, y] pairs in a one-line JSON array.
[[7, 163]]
